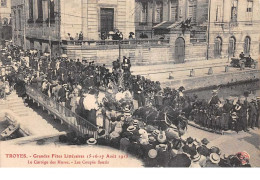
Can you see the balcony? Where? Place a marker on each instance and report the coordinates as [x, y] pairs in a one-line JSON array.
[[106, 44]]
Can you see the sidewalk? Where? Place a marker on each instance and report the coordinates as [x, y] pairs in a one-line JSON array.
[[152, 69]]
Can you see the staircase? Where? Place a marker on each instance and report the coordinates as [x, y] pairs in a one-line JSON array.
[[30, 122]]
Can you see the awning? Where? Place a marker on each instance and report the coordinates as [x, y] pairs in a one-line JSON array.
[[166, 25]]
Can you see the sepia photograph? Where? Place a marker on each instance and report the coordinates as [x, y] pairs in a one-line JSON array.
[[129, 83]]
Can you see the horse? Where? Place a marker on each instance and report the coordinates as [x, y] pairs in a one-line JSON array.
[[164, 118]]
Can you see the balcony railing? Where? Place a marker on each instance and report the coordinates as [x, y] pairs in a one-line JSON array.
[[74, 121], [197, 40], [152, 42]]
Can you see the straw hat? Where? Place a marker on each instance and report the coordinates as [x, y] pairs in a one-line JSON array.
[[214, 158], [114, 134], [142, 132], [214, 91], [152, 139], [156, 132], [91, 141], [131, 128], [161, 138], [196, 157], [152, 153]]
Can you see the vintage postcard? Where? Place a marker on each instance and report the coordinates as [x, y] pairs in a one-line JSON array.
[[129, 83]]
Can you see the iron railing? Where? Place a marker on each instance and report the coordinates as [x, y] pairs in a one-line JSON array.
[[77, 123]]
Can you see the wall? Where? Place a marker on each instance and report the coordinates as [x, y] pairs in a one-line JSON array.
[[213, 80], [84, 15], [6, 11], [140, 55], [143, 54]]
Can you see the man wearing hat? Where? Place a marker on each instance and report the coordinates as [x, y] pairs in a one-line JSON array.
[[203, 150], [150, 159], [62, 94], [195, 161], [190, 147], [125, 142], [252, 113], [213, 160]]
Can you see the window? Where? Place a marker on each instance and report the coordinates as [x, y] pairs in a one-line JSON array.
[[3, 3], [247, 46], [19, 19], [52, 14], [158, 15], [30, 10], [40, 11], [192, 10], [218, 13], [174, 10], [15, 26], [218, 47], [249, 11], [144, 12], [234, 11], [232, 46]]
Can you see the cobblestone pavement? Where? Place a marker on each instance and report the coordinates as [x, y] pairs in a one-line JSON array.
[[231, 142]]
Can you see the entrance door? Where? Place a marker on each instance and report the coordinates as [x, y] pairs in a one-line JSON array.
[[179, 50], [107, 20]]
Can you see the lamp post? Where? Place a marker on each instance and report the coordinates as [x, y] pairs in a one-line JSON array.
[[208, 38], [119, 48], [49, 14]]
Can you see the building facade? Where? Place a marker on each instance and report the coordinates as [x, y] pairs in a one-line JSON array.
[[47, 24], [5, 18], [149, 13], [234, 28]]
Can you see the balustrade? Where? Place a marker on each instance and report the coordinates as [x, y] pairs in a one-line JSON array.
[[76, 122]]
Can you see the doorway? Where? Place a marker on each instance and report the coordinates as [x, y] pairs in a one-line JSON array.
[[218, 47], [107, 21], [179, 50]]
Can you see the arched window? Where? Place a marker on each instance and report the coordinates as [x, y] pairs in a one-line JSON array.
[[232, 46], [218, 46], [5, 21], [247, 45]]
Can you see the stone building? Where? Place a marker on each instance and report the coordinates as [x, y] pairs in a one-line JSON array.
[[234, 28], [218, 28], [42, 24], [5, 18], [150, 13]]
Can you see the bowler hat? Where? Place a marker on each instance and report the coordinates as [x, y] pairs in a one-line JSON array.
[[204, 141]]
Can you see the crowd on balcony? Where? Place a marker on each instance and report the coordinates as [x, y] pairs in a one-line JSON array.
[[133, 113]]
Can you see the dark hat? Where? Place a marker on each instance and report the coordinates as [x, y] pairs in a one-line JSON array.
[[204, 141], [180, 160], [101, 132], [189, 140], [215, 149], [181, 88]]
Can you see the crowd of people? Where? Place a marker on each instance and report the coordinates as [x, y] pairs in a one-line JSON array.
[[235, 114], [109, 99]]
